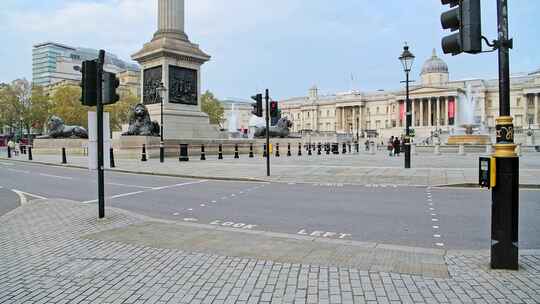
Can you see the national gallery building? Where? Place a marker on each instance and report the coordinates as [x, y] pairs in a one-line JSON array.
[[435, 106]]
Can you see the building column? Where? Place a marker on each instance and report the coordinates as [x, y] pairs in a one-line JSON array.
[[342, 119], [536, 110], [446, 120], [422, 112], [430, 119], [438, 112], [413, 118], [525, 111], [456, 112]]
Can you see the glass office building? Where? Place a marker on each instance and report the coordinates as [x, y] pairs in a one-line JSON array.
[[54, 62]]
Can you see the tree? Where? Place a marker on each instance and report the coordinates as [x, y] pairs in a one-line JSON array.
[[119, 112], [211, 106], [66, 104]]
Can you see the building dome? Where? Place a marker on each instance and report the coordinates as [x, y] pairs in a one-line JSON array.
[[434, 65]]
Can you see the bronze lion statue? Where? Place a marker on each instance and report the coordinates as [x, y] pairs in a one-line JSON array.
[[58, 129], [281, 129], [140, 123]]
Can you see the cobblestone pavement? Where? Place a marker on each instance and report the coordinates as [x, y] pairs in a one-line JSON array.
[[44, 259], [361, 169]]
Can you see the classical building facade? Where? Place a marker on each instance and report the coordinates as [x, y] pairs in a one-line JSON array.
[[436, 106]]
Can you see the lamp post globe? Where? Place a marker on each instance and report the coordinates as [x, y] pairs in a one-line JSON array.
[[161, 90], [407, 60]]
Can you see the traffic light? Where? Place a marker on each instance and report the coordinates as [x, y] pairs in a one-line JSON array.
[[466, 18], [258, 105], [89, 83], [110, 84], [274, 112]]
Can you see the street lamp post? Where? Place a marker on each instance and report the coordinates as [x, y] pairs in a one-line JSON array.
[[161, 92], [407, 59]]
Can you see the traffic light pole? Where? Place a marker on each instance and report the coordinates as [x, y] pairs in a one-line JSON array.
[[505, 193], [267, 99], [99, 110]]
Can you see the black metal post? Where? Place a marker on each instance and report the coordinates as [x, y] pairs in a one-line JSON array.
[[161, 143], [299, 149], [30, 157], [184, 153], [505, 194], [236, 153], [408, 124], [267, 98], [289, 154], [64, 156], [220, 151], [143, 157], [319, 148], [203, 153], [99, 113], [111, 156], [277, 150], [9, 151], [251, 155]]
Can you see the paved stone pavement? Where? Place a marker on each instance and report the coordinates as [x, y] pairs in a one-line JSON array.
[[361, 169], [45, 259]]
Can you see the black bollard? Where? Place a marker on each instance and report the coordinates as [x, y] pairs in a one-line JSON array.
[[300, 149], [277, 150], [203, 154], [251, 155], [357, 147], [30, 157], [220, 152], [319, 149], [327, 149], [111, 156], [64, 157], [344, 148], [8, 152], [289, 154], [143, 157], [264, 150], [236, 154], [184, 157], [349, 145], [309, 150]]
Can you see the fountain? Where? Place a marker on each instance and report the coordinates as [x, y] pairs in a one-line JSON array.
[[472, 132], [233, 122]]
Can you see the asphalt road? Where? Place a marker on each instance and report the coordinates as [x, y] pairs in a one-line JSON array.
[[8, 200], [424, 217]]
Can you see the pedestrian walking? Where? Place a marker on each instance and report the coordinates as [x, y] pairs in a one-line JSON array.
[[397, 147], [391, 146]]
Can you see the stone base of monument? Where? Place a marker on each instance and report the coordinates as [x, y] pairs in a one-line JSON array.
[[179, 123], [51, 146]]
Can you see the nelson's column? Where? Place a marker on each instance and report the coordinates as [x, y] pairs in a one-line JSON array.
[[172, 59]]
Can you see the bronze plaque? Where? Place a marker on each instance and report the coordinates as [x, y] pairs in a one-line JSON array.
[[183, 87], [152, 79]]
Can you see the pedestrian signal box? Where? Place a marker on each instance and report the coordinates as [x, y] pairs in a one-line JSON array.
[[487, 169]]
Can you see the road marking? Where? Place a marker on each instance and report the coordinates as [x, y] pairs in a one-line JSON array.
[[6, 164], [324, 234], [56, 176], [435, 227], [434, 220], [130, 186], [214, 202], [22, 196], [431, 209], [433, 214], [233, 224], [176, 214], [19, 171], [190, 219], [436, 235], [203, 205], [440, 244], [179, 185]]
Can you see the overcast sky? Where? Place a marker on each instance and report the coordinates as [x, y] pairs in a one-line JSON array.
[[284, 45]]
